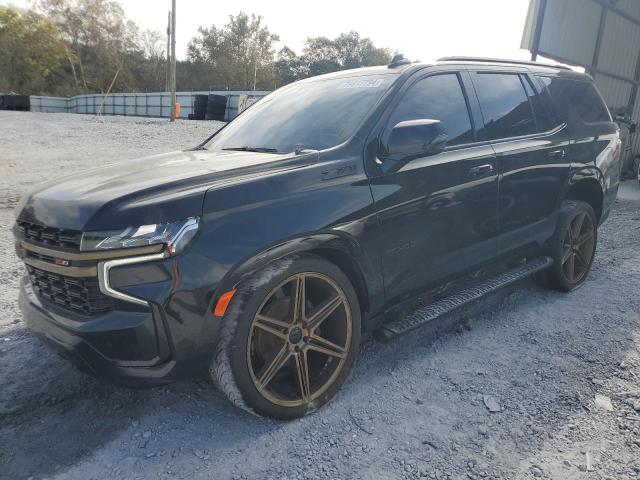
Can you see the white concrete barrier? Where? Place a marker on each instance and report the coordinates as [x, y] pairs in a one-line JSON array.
[[156, 104]]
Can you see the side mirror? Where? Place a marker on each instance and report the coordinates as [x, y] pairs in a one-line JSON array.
[[415, 138]]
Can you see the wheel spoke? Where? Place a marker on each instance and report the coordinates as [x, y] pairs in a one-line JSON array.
[[322, 345], [265, 327], [584, 238], [267, 374], [569, 237], [273, 322], [577, 226], [321, 313], [580, 257], [298, 299], [571, 266], [566, 253], [302, 374]]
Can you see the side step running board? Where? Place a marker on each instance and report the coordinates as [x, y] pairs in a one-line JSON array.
[[463, 297]]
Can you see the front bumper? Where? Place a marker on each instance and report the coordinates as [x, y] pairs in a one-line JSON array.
[[127, 348]]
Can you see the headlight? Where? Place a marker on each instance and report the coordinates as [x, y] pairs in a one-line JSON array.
[[174, 235]]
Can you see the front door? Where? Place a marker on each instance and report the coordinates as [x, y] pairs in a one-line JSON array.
[[437, 213]]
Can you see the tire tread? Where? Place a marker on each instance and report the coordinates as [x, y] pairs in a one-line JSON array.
[[220, 369]]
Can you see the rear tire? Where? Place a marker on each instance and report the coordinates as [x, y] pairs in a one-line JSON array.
[[282, 354], [572, 247]]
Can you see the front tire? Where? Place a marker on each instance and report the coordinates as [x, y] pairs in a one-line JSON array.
[[572, 246], [289, 339]]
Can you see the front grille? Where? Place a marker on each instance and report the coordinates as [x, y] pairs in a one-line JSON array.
[[41, 257], [77, 295], [49, 236]]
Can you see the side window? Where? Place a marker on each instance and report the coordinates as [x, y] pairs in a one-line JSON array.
[[438, 97], [546, 119], [578, 96], [505, 106]]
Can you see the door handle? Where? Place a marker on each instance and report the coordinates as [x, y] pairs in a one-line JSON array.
[[557, 154], [481, 170]]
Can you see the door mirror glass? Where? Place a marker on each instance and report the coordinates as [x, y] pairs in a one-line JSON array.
[[416, 138]]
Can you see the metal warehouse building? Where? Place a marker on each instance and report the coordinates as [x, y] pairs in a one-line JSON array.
[[603, 36]]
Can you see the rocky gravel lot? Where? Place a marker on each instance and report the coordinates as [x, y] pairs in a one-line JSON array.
[[528, 384]]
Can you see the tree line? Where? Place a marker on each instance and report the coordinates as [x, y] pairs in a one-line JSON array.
[[72, 47]]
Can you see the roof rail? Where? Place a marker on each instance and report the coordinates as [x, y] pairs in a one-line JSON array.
[[499, 60]]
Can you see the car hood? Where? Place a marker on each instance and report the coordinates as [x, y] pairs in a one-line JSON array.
[[149, 190]]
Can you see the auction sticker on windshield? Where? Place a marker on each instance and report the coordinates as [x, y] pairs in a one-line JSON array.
[[366, 83]]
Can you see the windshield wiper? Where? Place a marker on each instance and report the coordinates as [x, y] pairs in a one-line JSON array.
[[253, 149]]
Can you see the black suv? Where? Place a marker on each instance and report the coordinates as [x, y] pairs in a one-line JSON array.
[[324, 212]]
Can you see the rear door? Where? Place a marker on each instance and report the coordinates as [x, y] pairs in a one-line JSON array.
[[437, 213], [532, 150]]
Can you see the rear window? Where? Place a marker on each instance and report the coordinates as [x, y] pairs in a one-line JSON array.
[[546, 118], [505, 106], [578, 96]]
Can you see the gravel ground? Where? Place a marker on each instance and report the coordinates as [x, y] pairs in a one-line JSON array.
[[537, 384]]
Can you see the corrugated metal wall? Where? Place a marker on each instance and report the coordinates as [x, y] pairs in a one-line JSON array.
[[603, 36], [619, 46], [570, 29], [631, 7], [615, 92], [156, 104]]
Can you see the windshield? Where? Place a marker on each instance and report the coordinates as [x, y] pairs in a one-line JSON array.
[[308, 115]]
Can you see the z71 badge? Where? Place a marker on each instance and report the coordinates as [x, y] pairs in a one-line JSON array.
[[342, 171]]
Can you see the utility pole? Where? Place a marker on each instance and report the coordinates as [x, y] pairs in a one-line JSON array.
[[255, 72], [173, 60], [255, 63], [167, 84]]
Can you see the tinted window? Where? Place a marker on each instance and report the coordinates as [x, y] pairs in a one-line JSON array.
[[505, 106], [546, 118], [315, 114], [578, 96], [439, 97]]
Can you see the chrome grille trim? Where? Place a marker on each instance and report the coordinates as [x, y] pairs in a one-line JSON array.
[[105, 267]]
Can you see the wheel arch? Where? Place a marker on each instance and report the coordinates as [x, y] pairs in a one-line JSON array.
[[341, 250], [587, 185], [335, 253]]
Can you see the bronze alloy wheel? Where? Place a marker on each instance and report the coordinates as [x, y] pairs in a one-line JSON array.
[[578, 248], [299, 339]]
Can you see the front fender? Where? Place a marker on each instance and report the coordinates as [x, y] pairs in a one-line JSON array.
[[317, 207]]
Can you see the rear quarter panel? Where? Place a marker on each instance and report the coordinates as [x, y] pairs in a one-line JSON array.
[[599, 147]]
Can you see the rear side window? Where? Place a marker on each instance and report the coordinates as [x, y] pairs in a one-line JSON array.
[[546, 119], [505, 106], [439, 97], [578, 96]]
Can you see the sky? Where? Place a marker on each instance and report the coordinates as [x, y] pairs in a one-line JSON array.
[[420, 29]]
